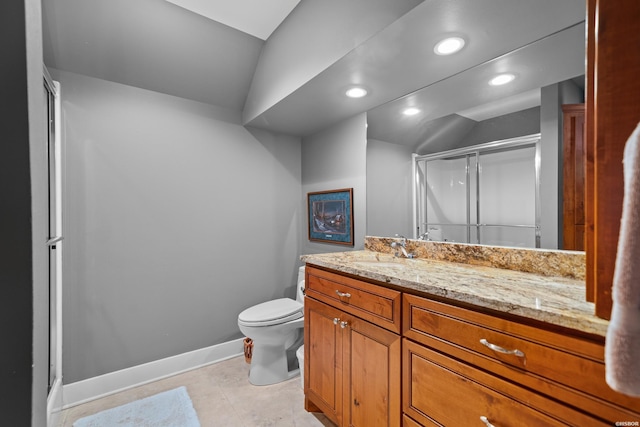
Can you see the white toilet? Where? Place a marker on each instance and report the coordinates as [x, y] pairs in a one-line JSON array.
[[276, 330]]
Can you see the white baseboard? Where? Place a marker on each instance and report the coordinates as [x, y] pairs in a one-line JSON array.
[[113, 382], [54, 403]]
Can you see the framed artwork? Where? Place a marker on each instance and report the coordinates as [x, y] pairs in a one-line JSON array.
[[330, 215]]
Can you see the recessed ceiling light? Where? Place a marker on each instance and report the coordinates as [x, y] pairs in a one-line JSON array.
[[356, 92], [449, 46], [502, 79], [411, 111]]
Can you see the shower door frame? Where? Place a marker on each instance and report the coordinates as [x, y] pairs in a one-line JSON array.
[[420, 218], [54, 244]]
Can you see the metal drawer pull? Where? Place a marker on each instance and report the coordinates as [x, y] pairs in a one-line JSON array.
[[486, 421], [336, 320], [343, 294], [343, 324], [499, 349]]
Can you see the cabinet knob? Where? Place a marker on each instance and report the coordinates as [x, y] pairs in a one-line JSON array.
[[486, 421], [336, 320], [343, 324], [343, 294], [499, 349]]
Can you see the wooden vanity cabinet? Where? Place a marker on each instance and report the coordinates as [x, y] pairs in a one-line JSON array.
[[352, 364], [546, 378], [375, 356]]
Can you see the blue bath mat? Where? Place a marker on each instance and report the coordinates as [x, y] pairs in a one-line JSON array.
[[171, 408]]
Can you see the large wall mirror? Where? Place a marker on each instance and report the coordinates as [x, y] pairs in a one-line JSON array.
[[463, 110]]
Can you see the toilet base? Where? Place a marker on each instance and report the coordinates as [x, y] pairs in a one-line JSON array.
[[270, 364]]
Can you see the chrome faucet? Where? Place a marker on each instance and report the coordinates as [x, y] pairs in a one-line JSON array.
[[402, 245], [426, 235]]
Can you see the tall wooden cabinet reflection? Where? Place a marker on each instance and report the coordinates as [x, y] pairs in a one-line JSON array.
[[352, 350], [574, 177], [613, 111]]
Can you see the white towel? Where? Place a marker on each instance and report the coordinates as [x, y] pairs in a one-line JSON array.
[[622, 346]]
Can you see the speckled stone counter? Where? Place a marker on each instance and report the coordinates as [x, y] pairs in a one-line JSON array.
[[555, 300], [539, 261]]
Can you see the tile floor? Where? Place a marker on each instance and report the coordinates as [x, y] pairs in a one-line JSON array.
[[222, 396]]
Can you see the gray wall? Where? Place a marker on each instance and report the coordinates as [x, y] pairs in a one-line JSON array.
[[333, 159], [520, 123], [177, 218], [23, 265], [389, 189]]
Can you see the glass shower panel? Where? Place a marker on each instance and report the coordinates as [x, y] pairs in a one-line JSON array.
[[501, 235], [447, 210], [507, 193], [474, 230], [420, 193]]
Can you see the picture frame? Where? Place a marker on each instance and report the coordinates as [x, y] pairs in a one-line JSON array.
[[330, 216]]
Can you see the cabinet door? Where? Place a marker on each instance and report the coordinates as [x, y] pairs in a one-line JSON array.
[[323, 359], [372, 374]]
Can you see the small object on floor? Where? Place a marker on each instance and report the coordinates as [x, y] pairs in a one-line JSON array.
[[248, 349], [169, 408]]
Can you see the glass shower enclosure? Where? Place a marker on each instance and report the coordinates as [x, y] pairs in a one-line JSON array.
[[483, 194]]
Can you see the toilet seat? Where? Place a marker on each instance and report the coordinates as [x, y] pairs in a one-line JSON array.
[[272, 312]]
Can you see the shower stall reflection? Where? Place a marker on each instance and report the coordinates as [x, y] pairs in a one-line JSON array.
[[484, 194]]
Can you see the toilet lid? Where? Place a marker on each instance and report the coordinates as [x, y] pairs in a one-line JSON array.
[[271, 312]]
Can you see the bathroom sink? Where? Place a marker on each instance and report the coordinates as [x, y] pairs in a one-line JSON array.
[[379, 264]]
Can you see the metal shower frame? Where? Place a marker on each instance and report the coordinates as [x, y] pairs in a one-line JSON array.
[[475, 150]]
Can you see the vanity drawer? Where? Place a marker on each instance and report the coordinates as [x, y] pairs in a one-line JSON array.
[[408, 422], [375, 303], [543, 360], [444, 391]]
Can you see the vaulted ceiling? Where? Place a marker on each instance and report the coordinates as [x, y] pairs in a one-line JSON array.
[[151, 44], [290, 76], [256, 17]]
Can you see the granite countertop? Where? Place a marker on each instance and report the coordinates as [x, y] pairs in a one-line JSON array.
[[554, 300]]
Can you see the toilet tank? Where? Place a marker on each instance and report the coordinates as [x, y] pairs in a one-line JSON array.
[[300, 285]]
